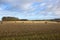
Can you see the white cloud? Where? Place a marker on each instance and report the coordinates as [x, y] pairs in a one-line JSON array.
[[19, 3], [26, 5], [1, 8], [42, 4], [49, 6], [57, 12]]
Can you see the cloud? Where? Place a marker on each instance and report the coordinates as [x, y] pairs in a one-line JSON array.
[[1, 8], [33, 7]]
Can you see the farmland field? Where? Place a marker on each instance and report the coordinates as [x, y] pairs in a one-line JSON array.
[[29, 31]]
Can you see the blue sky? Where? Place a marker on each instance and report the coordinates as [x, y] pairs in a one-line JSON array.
[[30, 9]]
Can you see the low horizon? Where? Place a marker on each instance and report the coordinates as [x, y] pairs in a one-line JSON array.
[[28, 19]]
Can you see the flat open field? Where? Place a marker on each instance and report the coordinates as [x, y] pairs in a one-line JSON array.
[[29, 31]]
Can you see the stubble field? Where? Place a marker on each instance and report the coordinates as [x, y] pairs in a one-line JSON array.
[[29, 31]]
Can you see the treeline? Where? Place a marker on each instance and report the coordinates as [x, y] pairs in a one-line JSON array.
[[12, 19], [17, 19], [57, 19]]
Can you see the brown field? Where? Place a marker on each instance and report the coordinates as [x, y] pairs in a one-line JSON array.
[[35, 30]]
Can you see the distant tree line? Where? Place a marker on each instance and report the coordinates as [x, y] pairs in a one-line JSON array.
[[24, 20], [57, 20], [12, 19], [17, 19]]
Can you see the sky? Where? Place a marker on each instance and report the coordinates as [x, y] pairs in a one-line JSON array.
[[30, 9]]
